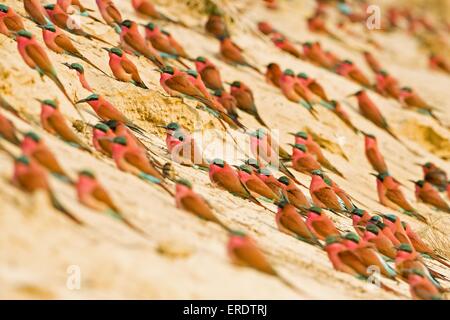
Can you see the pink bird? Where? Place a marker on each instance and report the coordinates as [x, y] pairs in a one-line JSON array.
[[109, 12], [123, 69], [99, 133], [10, 21], [37, 59], [80, 73]]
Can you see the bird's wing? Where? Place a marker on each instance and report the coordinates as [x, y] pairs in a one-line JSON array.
[[63, 130], [64, 42], [40, 58], [295, 224], [254, 258], [260, 188], [423, 291], [101, 195], [128, 66], [181, 84], [198, 206], [396, 196], [13, 24], [324, 228], [112, 11], [352, 260], [44, 156]]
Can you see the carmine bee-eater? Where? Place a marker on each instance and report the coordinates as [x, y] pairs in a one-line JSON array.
[[360, 219], [350, 71], [293, 194], [10, 21], [243, 250], [371, 112], [60, 43], [66, 4], [421, 287], [372, 62], [383, 244], [184, 150], [99, 132], [384, 229], [339, 111], [109, 12], [178, 84], [182, 84], [146, 8], [123, 69], [419, 245], [426, 193], [271, 4], [286, 45], [301, 87], [410, 99], [316, 24], [344, 196], [209, 73], [133, 42], [322, 193], [134, 160], [223, 175], [368, 254], [320, 224], [163, 41], [373, 154], [313, 86], [254, 184], [80, 73], [343, 259], [302, 160], [36, 58], [408, 259], [265, 147], [34, 147], [228, 102], [31, 177], [313, 148], [106, 111], [314, 53], [171, 128], [273, 74], [195, 78], [387, 85], [434, 175], [187, 199], [391, 196], [93, 195], [54, 122], [121, 129], [216, 25], [266, 28], [398, 230], [36, 11], [289, 86], [289, 221], [67, 23], [8, 130], [437, 62], [233, 54], [266, 176], [245, 100]]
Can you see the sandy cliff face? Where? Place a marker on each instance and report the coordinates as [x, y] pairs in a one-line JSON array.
[[185, 257]]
